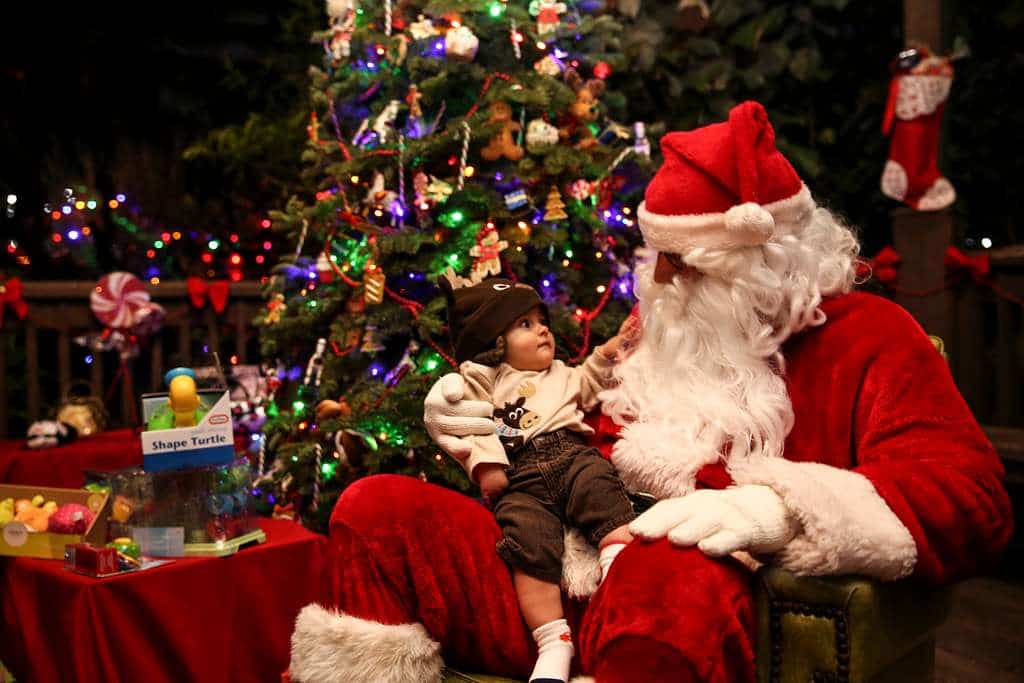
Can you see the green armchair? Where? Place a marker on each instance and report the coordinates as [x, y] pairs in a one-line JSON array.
[[834, 629]]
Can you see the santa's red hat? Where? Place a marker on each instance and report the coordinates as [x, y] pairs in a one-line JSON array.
[[722, 186]]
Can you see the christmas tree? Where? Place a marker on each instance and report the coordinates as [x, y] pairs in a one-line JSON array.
[[470, 135]]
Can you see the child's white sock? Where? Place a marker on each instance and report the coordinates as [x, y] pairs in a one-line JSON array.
[[607, 556], [554, 652]]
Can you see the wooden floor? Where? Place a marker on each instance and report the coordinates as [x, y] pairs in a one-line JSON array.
[[984, 638]]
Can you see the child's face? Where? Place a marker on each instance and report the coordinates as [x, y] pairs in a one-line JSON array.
[[528, 342]]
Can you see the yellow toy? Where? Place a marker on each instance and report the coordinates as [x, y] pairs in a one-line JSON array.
[[183, 400], [6, 510]]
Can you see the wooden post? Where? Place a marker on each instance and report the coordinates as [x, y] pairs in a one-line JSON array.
[[921, 238], [923, 22]]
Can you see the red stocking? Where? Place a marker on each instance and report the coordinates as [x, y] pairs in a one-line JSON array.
[[913, 116]]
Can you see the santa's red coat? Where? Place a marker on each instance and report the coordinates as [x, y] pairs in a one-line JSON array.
[[886, 468]]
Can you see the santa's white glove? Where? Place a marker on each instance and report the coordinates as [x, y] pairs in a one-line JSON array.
[[448, 417], [751, 518]]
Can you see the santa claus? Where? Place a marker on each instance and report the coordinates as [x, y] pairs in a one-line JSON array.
[[774, 413]]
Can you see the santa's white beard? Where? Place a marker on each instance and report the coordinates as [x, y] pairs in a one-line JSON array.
[[706, 379]]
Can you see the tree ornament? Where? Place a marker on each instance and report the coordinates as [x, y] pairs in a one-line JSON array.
[[379, 197], [438, 191], [324, 272], [581, 189], [641, 147], [412, 99], [466, 134], [613, 132], [694, 15], [517, 38], [547, 66], [602, 70], [371, 340], [488, 251], [461, 44], [554, 205], [539, 133], [384, 121], [373, 283], [584, 110], [516, 199], [913, 117], [313, 129], [275, 308], [422, 28], [343, 22], [503, 144], [315, 365], [547, 12]]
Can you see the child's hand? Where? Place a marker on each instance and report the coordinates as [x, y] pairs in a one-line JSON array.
[[492, 479], [620, 346]]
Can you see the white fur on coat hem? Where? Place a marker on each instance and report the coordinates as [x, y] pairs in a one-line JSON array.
[[847, 527], [582, 679], [581, 571], [334, 647]]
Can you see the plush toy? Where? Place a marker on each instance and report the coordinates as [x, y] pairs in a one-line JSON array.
[[583, 111], [49, 433], [70, 518]]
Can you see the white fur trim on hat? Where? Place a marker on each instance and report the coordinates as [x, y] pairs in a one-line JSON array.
[[334, 647], [744, 225], [847, 527]]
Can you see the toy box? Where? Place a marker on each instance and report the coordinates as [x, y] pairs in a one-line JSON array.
[[200, 511], [19, 540], [210, 442]]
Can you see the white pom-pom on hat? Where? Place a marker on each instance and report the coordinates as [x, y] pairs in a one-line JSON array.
[[749, 218]]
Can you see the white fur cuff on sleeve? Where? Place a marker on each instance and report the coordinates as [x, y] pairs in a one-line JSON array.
[[847, 527]]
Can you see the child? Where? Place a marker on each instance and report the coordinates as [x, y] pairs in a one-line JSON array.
[[536, 470]]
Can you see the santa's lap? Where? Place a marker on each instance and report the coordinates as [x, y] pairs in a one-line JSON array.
[[409, 552]]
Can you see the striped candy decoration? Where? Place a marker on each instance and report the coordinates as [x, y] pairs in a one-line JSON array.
[[117, 299]]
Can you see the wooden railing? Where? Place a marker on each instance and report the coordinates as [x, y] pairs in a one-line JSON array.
[[42, 360]]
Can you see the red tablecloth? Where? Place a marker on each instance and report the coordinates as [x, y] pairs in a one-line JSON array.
[[197, 619], [62, 466]]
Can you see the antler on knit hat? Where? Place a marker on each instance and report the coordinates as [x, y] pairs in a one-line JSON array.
[[479, 312], [722, 186]]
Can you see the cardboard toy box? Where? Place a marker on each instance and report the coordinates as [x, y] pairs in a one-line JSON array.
[[17, 540], [211, 442]]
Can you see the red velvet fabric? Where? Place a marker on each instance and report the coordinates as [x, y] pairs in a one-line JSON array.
[[869, 393], [197, 619], [62, 466]]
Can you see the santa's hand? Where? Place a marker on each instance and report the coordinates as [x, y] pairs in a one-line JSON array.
[[719, 522], [448, 417]]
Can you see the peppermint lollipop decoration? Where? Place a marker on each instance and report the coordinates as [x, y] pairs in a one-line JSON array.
[[117, 299]]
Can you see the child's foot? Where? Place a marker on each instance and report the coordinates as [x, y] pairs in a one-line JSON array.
[[554, 652]]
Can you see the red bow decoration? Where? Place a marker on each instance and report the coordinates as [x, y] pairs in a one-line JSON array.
[[976, 266], [198, 290], [10, 295], [882, 267]]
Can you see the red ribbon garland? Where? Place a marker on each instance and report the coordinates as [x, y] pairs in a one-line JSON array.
[[958, 265], [978, 266], [217, 291], [587, 316], [11, 295]]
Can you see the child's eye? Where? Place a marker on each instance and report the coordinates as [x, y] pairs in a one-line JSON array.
[[524, 323]]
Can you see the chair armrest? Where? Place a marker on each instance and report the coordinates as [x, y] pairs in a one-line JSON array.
[[844, 628]]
